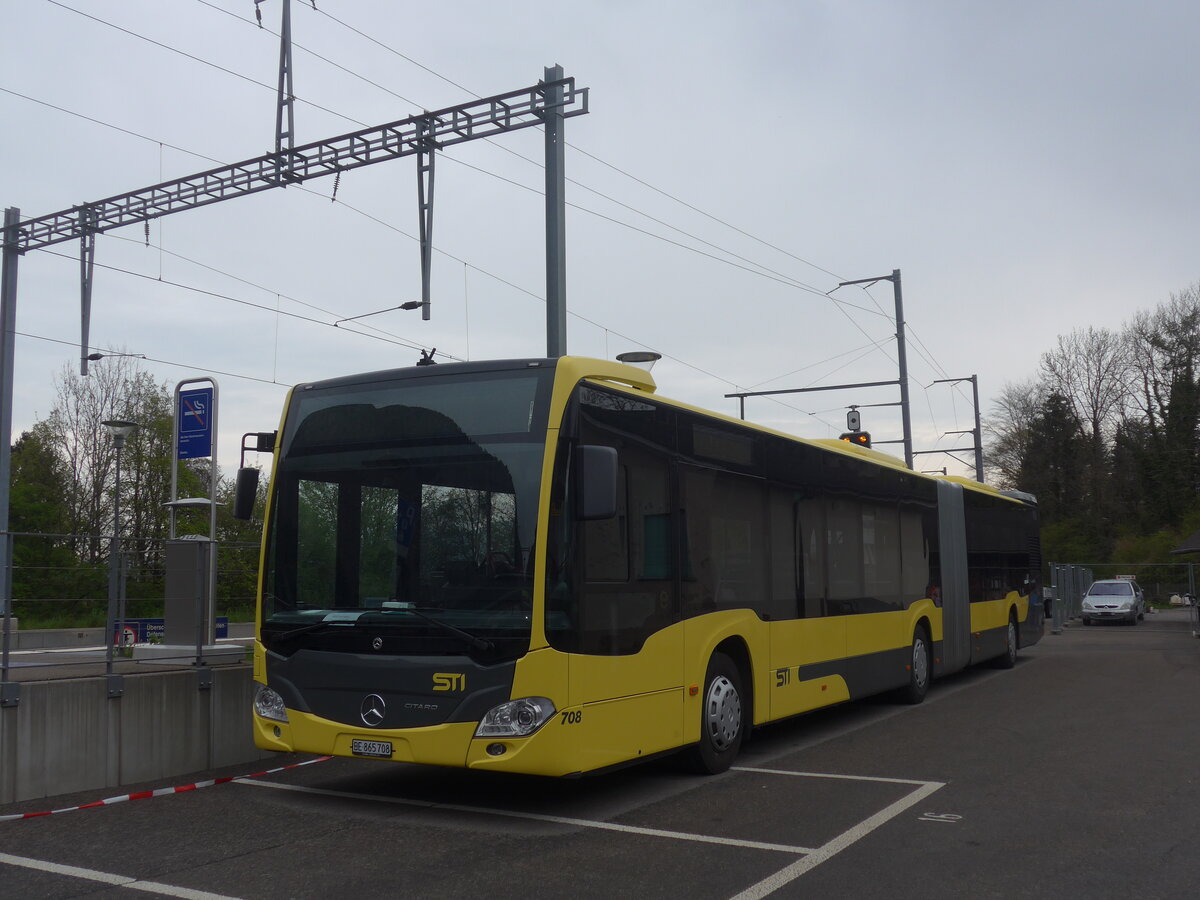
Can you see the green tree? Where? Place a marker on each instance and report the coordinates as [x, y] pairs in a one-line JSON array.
[[64, 483], [239, 543], [1165, 349], [44, 566], [1053, 462], [1010, 430]]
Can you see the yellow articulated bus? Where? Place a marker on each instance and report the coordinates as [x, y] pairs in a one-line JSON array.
[[541, 566]]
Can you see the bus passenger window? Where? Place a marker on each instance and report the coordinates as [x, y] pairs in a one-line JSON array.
[[845, 545], [726, 542], [881, 558], [810, 526], [786, 599]]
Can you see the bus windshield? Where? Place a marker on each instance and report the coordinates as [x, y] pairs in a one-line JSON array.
[[403, 516]]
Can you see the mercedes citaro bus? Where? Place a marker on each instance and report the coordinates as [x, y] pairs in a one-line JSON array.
[[542, 566]]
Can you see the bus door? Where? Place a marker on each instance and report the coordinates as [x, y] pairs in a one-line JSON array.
[[955, 595], [808, 647]]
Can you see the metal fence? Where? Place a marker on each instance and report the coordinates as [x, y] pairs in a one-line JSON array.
[[72, 605], [1164, 582]]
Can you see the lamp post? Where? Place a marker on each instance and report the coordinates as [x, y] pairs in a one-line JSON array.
[[97, 356], [120, 430]]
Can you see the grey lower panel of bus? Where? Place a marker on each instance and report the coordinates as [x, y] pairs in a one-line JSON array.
[[990, 643], [335, 686], [874, 673], [956, 601], [871, 673]]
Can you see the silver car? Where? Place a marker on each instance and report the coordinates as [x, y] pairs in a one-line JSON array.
[[1119, 599]]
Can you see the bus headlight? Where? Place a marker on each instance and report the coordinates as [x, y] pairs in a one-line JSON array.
[[269, 705], [517, 718]]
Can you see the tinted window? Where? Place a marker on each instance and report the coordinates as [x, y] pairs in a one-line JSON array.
[[725, 543], [1002, 556]]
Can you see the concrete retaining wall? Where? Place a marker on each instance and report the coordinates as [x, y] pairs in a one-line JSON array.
[[67, 735], [56, 638]]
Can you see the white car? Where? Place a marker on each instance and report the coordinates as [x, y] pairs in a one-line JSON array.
[[1118, 599]]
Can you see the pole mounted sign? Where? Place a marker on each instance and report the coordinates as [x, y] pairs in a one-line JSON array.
[[194, 421], [196, 403]]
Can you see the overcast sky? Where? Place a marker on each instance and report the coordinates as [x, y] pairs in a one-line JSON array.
[[1030, 167]]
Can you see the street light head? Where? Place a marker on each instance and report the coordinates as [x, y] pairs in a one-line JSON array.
[[643, 359], [95, 357], [411, 304], [120, 430]]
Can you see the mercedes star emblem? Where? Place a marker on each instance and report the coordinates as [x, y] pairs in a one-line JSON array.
[[372, 709]]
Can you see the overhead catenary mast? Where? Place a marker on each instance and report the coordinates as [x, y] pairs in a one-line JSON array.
[[549, 101]]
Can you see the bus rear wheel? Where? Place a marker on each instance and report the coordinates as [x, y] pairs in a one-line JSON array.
[[919, 669], [721, 719], [1009, 658]]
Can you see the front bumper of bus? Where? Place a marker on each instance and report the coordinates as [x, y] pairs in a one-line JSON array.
[[545, 752]]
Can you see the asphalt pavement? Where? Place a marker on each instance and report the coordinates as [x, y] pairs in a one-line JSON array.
[[1075, 774]]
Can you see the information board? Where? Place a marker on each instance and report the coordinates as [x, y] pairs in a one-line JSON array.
[[193, 422]]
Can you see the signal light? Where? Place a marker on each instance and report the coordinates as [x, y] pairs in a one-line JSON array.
[[860, 438]]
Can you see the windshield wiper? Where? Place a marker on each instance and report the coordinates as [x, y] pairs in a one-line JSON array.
[[312, 626], [474, 640]]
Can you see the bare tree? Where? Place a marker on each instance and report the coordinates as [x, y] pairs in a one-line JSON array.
[[114, 389], [1164, 346], [1009, 430], [1091, 369], [1164, 350]]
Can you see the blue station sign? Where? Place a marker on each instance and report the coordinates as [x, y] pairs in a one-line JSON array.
[[193, 422]]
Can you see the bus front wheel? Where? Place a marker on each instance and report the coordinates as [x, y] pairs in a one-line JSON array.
[[721, 719]]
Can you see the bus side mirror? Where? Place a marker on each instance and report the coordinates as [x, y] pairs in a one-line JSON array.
[[596, 477], [245, 492]]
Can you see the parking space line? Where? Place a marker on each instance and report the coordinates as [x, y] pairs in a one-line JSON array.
[[539, 817], [882, 780], [152, 887], [789, 874], [809, 859]]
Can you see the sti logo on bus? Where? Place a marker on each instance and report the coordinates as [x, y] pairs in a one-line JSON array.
[[449, 681]]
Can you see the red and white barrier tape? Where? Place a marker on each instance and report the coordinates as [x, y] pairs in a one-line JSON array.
[[162, 792]]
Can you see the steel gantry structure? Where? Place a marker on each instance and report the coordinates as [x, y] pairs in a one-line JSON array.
[[901, 382], [549, 102], [380, 143]]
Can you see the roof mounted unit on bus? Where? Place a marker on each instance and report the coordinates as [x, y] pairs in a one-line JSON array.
[[1021, 495], [643, 359]]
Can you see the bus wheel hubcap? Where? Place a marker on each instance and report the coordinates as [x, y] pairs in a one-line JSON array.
[[723, 713], [920, 662]]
